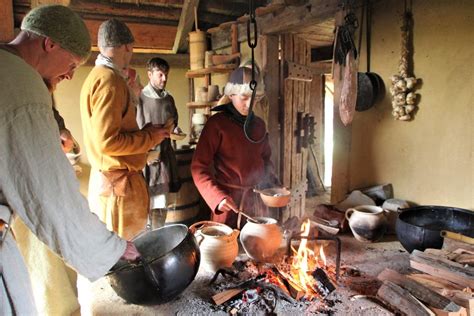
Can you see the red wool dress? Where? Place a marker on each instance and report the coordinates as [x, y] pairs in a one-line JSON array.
[[226, 164]]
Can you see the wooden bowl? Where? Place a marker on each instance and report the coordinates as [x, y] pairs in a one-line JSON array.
[[174, 136], [275, 197]]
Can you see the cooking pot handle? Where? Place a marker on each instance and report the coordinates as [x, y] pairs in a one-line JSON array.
[[198, 235], [151, 275], [349, 213]]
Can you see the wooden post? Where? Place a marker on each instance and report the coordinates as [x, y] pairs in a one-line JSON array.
[[6, 21]]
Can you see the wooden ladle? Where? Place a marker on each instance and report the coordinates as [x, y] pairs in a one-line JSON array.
[[251, 219]]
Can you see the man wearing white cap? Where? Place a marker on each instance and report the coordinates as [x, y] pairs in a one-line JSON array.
[[117, 149], [228, 162], [38, 183]]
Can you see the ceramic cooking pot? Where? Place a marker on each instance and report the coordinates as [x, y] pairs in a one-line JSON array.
[[367, 222], [218, 244], [262, 239]]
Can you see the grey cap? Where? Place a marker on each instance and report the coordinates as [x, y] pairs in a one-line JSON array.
[[62, 25], [239, 81], [114, 33]]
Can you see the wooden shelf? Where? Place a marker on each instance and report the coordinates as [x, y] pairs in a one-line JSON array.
[[201, 105], [225, 68]]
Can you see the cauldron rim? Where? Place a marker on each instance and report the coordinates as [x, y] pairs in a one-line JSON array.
[[129, 266]]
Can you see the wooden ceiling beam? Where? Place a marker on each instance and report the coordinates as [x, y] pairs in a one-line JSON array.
[[6, 21], [140, 60], [185, 25], [156, 3], [124, 10], [147, 36], [292, 18]]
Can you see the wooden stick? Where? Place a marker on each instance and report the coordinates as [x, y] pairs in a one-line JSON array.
[[457, 236], [196, 19], [226, 295]]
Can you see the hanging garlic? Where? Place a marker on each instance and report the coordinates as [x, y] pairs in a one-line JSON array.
[[409, 108], [403, 97]]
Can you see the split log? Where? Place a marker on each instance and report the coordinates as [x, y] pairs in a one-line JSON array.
[[447, 289], [401, 300], [293, 289], [443, 268], [226, 295], [434, 300], [461, 256]]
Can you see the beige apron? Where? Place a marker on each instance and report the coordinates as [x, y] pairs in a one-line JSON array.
[[120, 199]]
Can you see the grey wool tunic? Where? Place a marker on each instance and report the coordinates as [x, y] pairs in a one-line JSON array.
[[156, 107]]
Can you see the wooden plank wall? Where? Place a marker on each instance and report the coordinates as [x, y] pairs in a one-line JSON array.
[[296, 98]]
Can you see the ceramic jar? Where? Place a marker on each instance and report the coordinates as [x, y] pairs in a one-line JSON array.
[[367, 222], [218, 244], [261, 240]]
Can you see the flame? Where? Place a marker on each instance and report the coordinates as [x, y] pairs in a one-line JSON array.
[[305, 261]]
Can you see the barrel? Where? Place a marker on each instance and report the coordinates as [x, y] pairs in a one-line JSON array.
[[183, 206], [197, 49]]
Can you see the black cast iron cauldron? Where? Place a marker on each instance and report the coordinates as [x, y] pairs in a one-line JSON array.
[[420, 227], [170, 261]]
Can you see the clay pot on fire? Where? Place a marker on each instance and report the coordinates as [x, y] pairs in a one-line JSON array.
[[367, 222], [218, 244], [261, 240]]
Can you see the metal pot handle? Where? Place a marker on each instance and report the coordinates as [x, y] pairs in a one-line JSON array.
[[152, 277]]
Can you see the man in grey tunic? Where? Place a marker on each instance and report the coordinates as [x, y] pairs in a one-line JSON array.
[[38, 183], [156, 106]]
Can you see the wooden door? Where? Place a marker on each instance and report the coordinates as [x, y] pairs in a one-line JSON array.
[[295, 100]]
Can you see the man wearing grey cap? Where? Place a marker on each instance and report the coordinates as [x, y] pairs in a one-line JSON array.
[[38, 183], [116, 147]]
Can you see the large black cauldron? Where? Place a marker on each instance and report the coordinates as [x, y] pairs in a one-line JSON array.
[[420, 227], [170, 261]]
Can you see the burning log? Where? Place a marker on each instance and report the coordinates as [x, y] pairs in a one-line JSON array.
[[443, 268], [323, 284], [438, 303], [400, 299], [294, 290]]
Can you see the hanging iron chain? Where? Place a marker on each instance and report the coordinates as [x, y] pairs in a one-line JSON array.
[[252, 25]]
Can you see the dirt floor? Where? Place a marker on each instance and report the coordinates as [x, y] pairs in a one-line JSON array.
[[354, 295]]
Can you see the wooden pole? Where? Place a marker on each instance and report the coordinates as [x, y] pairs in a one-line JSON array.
[[196, 19]]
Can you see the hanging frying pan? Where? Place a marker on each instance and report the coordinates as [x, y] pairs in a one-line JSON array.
[[370, 86]]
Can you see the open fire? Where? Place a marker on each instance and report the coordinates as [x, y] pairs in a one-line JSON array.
[[300, 277]]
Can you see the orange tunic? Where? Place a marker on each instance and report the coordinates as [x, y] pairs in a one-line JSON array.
[[113, 142]]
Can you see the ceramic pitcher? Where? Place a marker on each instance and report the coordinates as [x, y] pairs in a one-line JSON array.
[[261, 240], [218, 244], [367, 222]]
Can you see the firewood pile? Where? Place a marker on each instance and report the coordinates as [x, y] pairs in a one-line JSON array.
[[444, 286]]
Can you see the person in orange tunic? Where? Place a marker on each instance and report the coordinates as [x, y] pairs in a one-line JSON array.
[[116, 147], [226, 165]]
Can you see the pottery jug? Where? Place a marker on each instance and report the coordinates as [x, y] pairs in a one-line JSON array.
[[367, 222], [261, 240], [218, 244]]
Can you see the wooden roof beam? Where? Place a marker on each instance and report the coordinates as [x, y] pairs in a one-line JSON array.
[[185, 25], [293, 17], [123, 10]]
